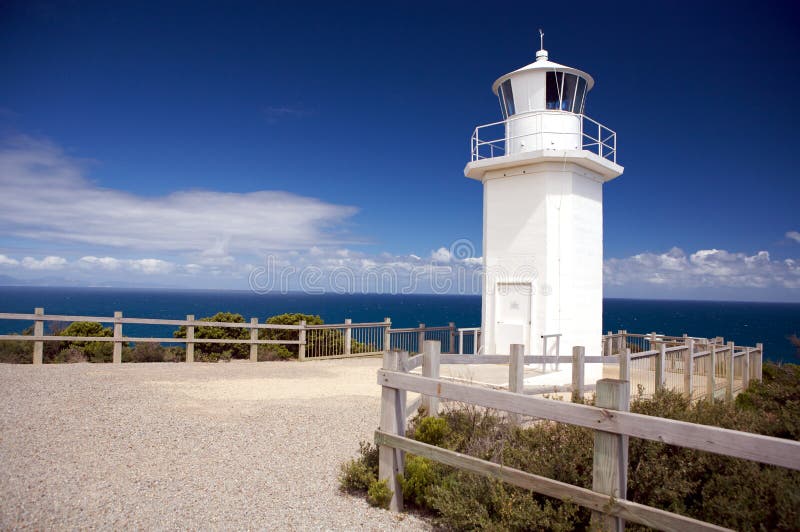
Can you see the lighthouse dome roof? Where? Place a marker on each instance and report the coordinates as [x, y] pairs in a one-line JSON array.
[[543, 63]]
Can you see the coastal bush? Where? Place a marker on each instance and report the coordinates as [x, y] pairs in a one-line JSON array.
[[21, 351], [726, 491], [152, 352], [92, 351], [16, 352], [217, 352], [285, 352], [379, 494]]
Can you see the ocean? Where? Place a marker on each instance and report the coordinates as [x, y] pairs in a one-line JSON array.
[[743, 323]]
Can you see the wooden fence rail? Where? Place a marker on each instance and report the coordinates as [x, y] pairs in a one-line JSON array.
[[610, 420], [326, 341]]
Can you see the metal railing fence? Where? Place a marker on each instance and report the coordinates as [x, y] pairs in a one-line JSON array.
[[491, 140]]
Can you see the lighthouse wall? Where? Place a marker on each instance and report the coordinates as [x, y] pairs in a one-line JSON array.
[[543, 252]]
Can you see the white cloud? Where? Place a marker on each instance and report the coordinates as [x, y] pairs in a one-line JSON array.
[[793, 235], [152, 266], [441, 255], [106, 263], [8, 261], [44, 195], [714, 268], [48, 263]]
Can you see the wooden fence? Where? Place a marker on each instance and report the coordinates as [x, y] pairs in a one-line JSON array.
[[610, 420], [326, 341], [698, 368]]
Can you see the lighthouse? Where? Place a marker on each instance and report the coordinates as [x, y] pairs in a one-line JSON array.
[[543, 168]]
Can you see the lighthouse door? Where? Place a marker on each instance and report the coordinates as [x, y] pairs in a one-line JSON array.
[[513, 316]]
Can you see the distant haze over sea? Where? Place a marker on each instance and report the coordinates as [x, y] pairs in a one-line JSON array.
[[743, 323]]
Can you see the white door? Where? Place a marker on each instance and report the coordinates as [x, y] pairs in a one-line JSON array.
[[512, 304]]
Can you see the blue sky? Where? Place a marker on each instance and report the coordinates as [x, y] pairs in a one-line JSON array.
[[183, 143]]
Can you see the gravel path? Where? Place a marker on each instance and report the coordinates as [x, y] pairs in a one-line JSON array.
[[176, 446]]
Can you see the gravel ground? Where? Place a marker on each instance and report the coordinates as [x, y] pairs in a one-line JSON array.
[[176, 446]]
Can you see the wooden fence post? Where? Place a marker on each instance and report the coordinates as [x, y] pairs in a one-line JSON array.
[[430, 368], [387, 335], [759, 361], [253, 339], [400, 405], [711, 383], [610, 465], [38, 330], [389, 464], [688, 368], [116, 357], [578, 354], [301, 348], [746, 369], [452, 326], [653, 337], [625, 364], [348, 336], [189, 338], [421, 338], [661, 361], [516, 382], [731, 372]]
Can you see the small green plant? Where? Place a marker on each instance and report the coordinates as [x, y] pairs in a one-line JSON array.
[[379, 494], [357, 475], [420, 476], [432, 430]]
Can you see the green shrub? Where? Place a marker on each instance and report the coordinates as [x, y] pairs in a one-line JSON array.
[[421, 475], [379, 494], [93, 351], [432, 430], [70, 355], [356, 476], [85, 328], [153, 352], [269, 352], [285, 352], [16, 352], [217, 352]]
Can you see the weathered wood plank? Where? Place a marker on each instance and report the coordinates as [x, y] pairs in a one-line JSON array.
[[610, 462], [516, 368], [38, 330], [631, 511], [389, 465], [116, 356], [253, 340], [190, 340], [413, 407], [413, 363], [591, 359], [764, 449], [578, 362], [474, 359], [432, 350]]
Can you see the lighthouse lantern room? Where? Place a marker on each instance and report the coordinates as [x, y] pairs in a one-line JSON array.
[[543, 168]]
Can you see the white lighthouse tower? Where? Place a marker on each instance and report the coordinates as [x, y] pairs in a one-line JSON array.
[[543, 169]]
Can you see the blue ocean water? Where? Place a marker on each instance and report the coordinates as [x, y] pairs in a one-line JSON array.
[[744, 323]]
